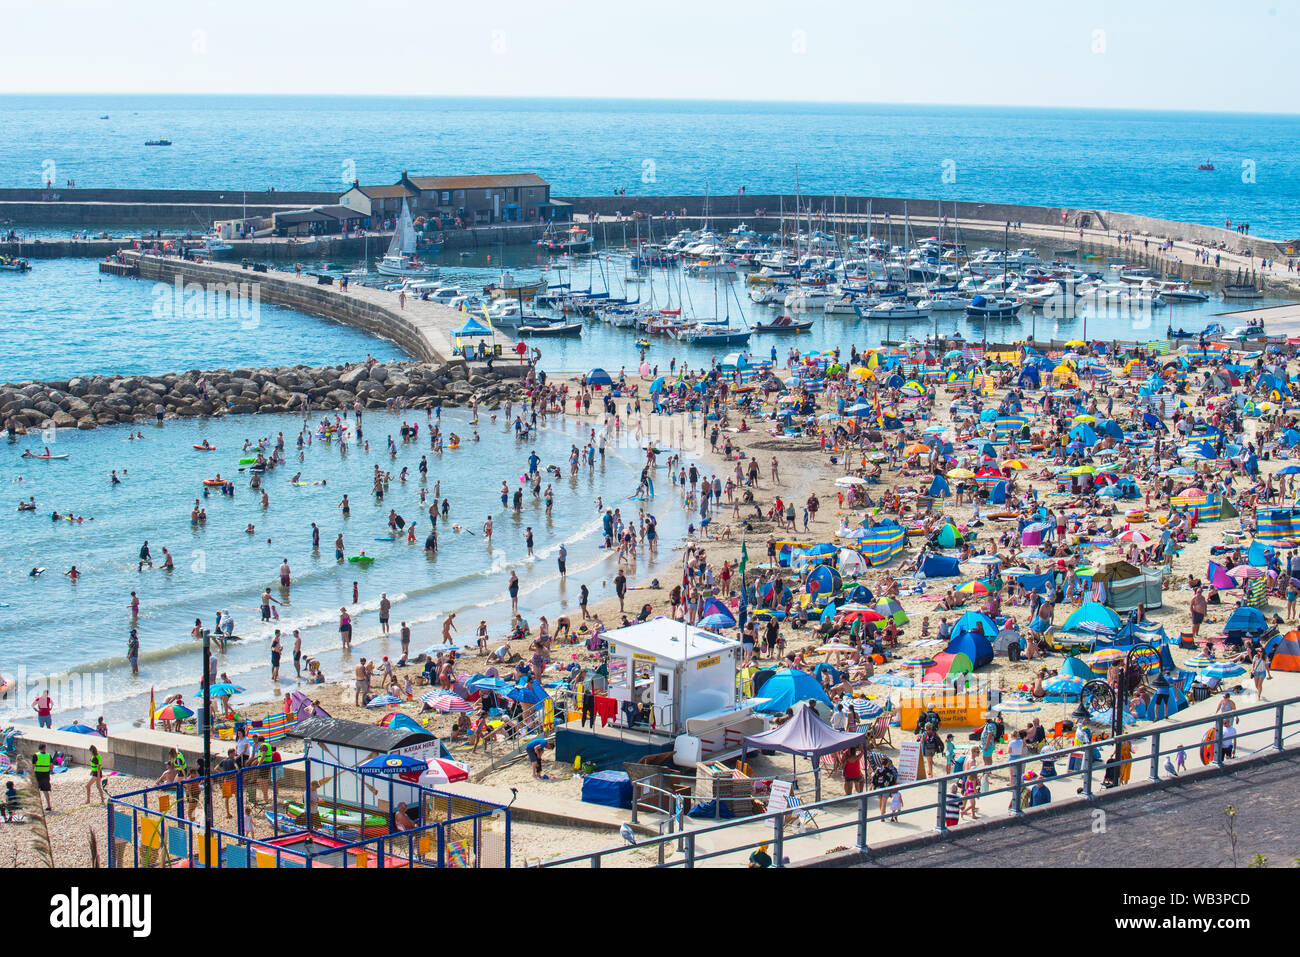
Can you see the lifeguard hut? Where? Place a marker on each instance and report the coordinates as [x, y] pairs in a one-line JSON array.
[[674, 688]]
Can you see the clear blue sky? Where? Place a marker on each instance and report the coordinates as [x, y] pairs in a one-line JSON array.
[[1160, 54]]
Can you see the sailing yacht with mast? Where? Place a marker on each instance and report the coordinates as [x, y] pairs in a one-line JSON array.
[[401, 260]]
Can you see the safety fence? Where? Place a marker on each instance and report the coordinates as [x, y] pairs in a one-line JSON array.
[[304, 812], [944, 795]]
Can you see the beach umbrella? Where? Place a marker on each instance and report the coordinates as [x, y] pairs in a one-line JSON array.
[[1063, 685], [1198, 661], [976, 588], [961, 474], [489, 683], [1015, 570], [78, 728], [1133, 535], [1223, 669], [917, 448], [917, 661], [391, 764], [1018, 706], [450, 703], [384, 701], [866, 708], [442, 771], [845, 481], [863, 614], [1245, 571], [222, 688], [1100, 661], [1014, 464], [834, 646], [985, 560], [1083, 470], [173, 712], [892, 680], [528, 692]]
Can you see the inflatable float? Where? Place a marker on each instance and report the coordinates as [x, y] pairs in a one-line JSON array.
[[215, 483], [361, 559], [206, 448], [336, 817], [48, 458]]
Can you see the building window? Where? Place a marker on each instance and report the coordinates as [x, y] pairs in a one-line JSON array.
[[446, 197]]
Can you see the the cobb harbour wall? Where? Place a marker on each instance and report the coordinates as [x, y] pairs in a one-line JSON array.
[[732, 207], [420, 330]]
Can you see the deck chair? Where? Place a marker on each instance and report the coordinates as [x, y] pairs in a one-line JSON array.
[[878, 733], [799, 813]]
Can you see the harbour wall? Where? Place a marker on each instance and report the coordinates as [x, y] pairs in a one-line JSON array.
[[421, 329], [851, 209], [372, 245]]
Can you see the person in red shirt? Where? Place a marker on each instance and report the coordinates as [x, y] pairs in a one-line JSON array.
[[853, 778]]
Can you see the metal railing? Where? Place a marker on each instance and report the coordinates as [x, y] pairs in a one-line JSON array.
[[1089, 761]]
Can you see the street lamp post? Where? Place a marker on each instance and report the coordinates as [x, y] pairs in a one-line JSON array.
[[207, 745]]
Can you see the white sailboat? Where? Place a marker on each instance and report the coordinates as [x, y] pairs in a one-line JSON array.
[[401, 260]]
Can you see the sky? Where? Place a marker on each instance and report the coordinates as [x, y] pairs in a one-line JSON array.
[[1104, 54]]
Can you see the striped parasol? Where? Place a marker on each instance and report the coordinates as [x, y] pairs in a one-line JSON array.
[[451, 703], [917, 661], [1198, 661], [1018, 706]]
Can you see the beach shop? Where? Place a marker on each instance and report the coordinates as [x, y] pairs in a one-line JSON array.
[[671, 687]]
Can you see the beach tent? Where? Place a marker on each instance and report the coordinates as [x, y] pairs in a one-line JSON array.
[[973, 645], [1245, 622], [1029, 378], [823, 580], [948, 537], [1084, 433], [975, 621], [1078, 668], [1286, 652], [716, 615], [1040, 583], [940, 566], [850, 562], [890, 608], [1092, 612], [787, 688], [1128, 586], [599, 377], [939, 488]]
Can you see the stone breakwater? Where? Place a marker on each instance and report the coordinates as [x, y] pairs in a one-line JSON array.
[[85, 402]]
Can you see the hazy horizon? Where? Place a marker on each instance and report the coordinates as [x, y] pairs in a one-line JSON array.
[[1160, 55]]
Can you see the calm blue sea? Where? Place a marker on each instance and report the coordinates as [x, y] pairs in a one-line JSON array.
[[1130, 161]]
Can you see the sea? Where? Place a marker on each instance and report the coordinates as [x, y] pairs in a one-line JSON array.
[[65, 319], [1123, 160]]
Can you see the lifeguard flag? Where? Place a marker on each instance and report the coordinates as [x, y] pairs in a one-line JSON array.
[[152, 709], [744, 557]]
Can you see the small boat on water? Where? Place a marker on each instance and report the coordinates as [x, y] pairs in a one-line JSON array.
[[982, 307], [1206, 166], [556, 328], [401, 258], [784, 324], [510, 289], [1241, 290], [8, 264], [156, 142], [892, 309]]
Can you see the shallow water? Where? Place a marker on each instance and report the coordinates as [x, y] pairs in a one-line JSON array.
[[50, 625]]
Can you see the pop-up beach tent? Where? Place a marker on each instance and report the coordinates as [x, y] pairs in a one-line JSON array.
[[1286, 652], [940, 566], [787, 688], [973, 645], [1091, 612]]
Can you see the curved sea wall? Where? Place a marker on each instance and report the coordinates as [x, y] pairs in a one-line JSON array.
[[420, 329]]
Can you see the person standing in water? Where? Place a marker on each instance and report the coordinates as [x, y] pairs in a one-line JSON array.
[[133, 651], [338, 547]]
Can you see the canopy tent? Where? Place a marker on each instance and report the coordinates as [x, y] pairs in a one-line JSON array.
[[471, 328], [805, 735]]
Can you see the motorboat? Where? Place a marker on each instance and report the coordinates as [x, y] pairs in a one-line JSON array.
[[705, 334], [558, 327], [784, 324], [510, 288], [808, 297], [892, 310], [982, 307], [8, 264], [944, 302]]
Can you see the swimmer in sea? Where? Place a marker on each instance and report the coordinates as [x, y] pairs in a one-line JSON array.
[[72, 573], [250, 530]]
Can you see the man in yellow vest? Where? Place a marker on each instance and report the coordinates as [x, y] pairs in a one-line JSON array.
[[43, 765]]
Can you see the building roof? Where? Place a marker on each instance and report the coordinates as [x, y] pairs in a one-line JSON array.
[[396, 191], [482, 181], [298, 216], [339, 212], [670, 639], [368, 737]]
